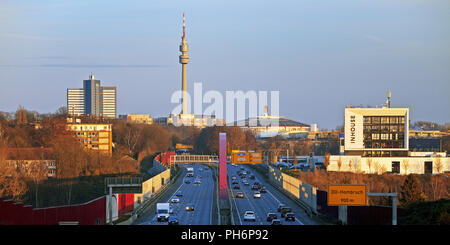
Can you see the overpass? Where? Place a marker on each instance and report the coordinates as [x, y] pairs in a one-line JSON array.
[[190, 159]]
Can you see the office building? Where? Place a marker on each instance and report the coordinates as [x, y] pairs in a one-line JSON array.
[[376, 140], [75, 101], [92, 99], [376, 131], [109, 99]]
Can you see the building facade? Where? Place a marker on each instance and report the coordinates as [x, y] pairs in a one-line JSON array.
[[376, 141], [92, 99], [109, 98], [376, 131], [75, 101], [93, 136], [137, 118]]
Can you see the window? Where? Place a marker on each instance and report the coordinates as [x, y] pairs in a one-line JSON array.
[[393, 120], [428, 167], [384, 120], [384, 136], [367, 120], [375, 119], [396, 167], [375, 136], [393, 128]]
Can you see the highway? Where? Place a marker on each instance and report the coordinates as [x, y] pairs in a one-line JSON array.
[[201, 195], [268, 202]]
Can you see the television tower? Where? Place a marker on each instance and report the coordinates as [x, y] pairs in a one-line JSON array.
[[184, 59]]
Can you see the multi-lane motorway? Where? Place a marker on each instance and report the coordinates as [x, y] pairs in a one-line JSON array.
[[200, 195], [268, 202], [203, 197]]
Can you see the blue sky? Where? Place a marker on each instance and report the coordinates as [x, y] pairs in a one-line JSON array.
[[320, 55]]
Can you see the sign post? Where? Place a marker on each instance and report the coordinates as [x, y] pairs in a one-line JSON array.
[[355, 195]]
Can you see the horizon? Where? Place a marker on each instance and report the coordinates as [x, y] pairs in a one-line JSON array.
[[320, 56]]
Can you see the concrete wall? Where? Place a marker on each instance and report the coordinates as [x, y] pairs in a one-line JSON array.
[[151, 186], [301, 190], [379, 165]]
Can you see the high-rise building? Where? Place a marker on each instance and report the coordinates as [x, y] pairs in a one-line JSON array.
[[75, 101], [92, 99], [109, 101], [92, 96]]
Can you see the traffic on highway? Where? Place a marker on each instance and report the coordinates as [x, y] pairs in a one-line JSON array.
[[256, 202], [191, 203]]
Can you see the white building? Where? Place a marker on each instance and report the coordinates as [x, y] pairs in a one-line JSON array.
[[109, 105], [376, 141], [75, 101]]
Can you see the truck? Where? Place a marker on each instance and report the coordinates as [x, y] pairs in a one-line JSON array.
[[162, 211], [190, 172]]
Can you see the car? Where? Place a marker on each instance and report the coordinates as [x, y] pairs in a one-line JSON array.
[[179, 194], [201, 169], [189, 207], [233, 178], [172, 220], [236, 187], [249, 215], [281, 205], [246, 183], [240, 195], [276, 222], [285, 210], [263, 189], [271, 216], [197, 181], [187, 181], [255, 187], [175, 200], [290, 216], [235, 182], [252, 176], [257, 194], [170, 209]]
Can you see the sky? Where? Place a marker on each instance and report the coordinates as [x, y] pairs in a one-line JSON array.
[[321, 55]]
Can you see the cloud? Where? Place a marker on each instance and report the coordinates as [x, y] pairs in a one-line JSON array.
[[89, 66], [375, 38], [21, 36]]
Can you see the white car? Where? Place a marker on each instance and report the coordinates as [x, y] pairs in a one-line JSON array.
[[257, 194], [249, 215], [175, 200]]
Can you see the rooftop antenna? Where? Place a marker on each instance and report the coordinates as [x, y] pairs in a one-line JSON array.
[[388, 102], [184, 26]]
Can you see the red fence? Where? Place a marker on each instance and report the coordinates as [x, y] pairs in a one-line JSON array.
[[90, 213]]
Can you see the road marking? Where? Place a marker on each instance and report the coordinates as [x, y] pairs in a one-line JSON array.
[[234, 200], [296, 219]]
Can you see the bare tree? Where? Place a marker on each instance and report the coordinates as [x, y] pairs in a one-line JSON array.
[[369, 164], [405, 165], [132, 137], [438, 166], [377, 167], [339, 163], [326, 160], [37, 173]]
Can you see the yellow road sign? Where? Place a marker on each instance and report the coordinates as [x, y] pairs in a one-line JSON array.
[[347, 195]]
